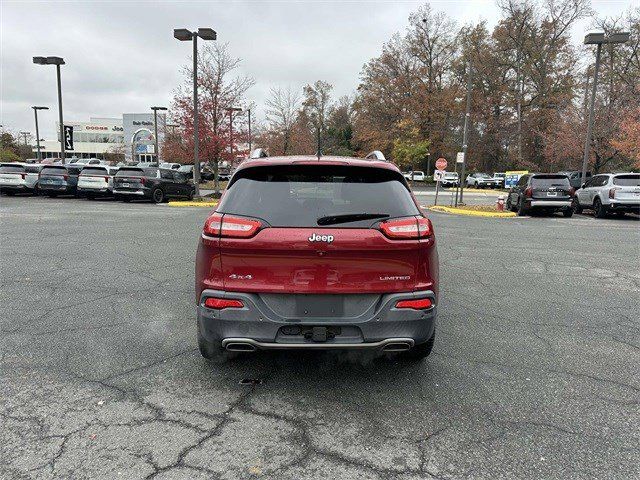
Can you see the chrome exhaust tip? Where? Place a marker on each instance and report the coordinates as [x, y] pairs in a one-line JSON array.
[[240, 347], [396, 347]]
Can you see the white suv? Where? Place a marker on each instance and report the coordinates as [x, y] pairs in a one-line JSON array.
[[609, 192]]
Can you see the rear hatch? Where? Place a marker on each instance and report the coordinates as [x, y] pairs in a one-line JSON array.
[[319, 232], [131, 179], [12, 175], [551, 187], [53, 177], [96, 178], [626, 188]]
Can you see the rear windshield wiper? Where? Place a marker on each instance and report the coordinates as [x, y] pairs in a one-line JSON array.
[[349, 217]]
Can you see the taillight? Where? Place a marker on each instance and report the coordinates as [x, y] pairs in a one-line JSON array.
[[65, 176], [420, 304], [572, 191], [528, 192], [219, 225], [612, 193], [23, 175], [221, 303], [106, 179], [142, 180], [412, 227]]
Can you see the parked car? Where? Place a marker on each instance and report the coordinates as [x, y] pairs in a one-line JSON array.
[[482, 180], [96, 181], [301, 255], [19, 178], [416, 176], [548, 192], [205, 173], [171, 166], [450, 179], [151, 183], [500, 176], [610, 193], [575, 177], [57, 180]]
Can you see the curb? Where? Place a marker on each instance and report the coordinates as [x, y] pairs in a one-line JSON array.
[[178, 203], [471, 213]]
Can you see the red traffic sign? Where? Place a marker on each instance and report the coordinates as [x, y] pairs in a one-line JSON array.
[[441, 164]]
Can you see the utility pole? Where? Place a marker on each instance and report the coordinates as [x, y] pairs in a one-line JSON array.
[[467, 116], [35, 112], [249, 111]]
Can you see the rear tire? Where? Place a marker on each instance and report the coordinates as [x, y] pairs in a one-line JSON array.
[[599, 210], [421, 351], [522, 211], [190, 196], [576, 206], [568, 212], [209, 350], [157, 195], [52, 195]]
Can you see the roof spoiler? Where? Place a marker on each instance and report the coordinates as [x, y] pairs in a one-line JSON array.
[[259, 153], [376, 155]]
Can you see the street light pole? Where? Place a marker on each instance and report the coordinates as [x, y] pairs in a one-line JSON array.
[[35, 112], [183, 34], [57, 61], [60, 118], [597, 38], [24, 136], [155, 127]]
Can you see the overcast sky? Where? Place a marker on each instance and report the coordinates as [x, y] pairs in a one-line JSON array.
[[121, 56]]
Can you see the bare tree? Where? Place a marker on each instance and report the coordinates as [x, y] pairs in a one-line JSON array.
[[317, 106], [281, 113], [218, 90]]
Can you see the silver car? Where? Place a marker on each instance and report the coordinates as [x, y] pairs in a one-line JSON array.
[[609, 193], [96, 180], [19, 178]]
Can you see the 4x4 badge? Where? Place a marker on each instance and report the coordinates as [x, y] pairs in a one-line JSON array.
[[320, 238]]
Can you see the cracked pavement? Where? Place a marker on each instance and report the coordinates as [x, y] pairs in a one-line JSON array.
[[534, 373]]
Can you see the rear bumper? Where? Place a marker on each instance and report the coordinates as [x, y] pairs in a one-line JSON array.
[[257, 324], [627, 206], [103, 191], [135, 193], [15, 188], [550, 203]]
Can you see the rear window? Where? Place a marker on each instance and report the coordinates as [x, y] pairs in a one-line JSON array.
[[94, 171], [11, 168], [130, 172], [543, 181], [32, 168], [298, 195], [53, 171], [627, 180]]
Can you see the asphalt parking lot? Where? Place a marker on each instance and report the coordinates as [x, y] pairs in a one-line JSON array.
[[534, 372]]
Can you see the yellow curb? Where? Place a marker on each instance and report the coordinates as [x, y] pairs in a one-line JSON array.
[[487, 191], [471, 213], [192, 204]]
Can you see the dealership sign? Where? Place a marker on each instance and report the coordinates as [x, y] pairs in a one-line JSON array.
[[68, 137]]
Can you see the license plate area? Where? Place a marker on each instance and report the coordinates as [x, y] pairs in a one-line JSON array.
[[552, 194], [312, 333]]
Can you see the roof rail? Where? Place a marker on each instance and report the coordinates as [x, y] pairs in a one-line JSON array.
[[259, 153], [376, 155]]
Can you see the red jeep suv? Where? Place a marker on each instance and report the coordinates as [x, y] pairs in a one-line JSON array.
[[307, 253]]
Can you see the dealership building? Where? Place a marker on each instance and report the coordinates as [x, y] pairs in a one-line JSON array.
[[129, 138]]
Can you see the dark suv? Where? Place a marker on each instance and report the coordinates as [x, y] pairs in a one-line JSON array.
[[151, 183], [57, 180], [304, 253], [547, 192]]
